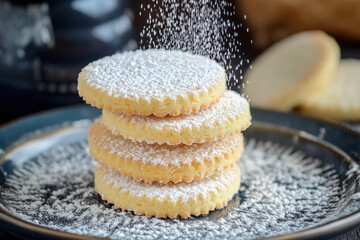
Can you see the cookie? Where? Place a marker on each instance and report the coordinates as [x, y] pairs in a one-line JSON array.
[[341, 99], [163, 163], [292, 70], [154, 81], [231, 114], [167, 200]]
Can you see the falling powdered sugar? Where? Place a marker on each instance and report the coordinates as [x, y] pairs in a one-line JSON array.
[[282, 191], [204, 27]]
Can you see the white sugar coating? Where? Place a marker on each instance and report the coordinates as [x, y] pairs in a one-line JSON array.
[[167, 155], [229, 107], [282, 191], [154, 74], [171, 192]]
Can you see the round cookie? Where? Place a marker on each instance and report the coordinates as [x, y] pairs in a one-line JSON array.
[[154, 81], [341, 99], [231, 114], [163, 163], [167, 200], [292, 70]]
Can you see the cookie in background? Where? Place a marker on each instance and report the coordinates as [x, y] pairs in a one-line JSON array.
[[292, 70], [341, 99], [304, 72]]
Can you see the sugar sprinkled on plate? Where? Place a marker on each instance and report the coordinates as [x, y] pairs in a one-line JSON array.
[[282, 191]]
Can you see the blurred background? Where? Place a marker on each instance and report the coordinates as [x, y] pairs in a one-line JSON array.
[[44, 44]]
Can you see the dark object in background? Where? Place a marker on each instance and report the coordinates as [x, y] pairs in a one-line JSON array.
[[44, 44]]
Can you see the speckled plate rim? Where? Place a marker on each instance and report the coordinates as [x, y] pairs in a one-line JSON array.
[[275, 121]]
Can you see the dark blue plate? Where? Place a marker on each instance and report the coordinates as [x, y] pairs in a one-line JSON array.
[[45, 171]]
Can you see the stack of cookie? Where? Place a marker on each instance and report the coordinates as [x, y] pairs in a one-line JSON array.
[[169, 135]]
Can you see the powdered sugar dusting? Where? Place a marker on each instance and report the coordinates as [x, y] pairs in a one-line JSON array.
[[171, 192], [229, 107], [166, 155], [154, 74], [282, 191]]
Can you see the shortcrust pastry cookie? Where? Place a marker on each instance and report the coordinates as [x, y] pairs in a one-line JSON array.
[[341, 99], [167, 200], [231, 114], [292, 70], [163, 163], [154, 81]]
